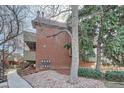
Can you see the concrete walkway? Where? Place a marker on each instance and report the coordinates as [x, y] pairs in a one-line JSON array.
[[15, 81]]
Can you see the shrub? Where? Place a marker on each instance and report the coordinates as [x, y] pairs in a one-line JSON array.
[[117, 76], [121, 64], [90, 73]]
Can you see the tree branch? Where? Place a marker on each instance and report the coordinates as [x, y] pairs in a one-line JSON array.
[[67, 31], [14, 49], [15, 14], [61, 12], [2, 24], [10, 38]]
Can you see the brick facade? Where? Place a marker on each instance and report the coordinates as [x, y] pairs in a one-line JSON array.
[[50, 52], [52, 48]]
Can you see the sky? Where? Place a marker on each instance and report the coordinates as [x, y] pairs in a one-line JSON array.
[[33, 13]]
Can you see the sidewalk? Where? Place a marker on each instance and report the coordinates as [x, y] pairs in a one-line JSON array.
[[15, 81], [4, 85]]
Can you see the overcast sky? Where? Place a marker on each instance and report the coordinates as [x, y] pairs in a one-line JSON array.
[[47, 12]]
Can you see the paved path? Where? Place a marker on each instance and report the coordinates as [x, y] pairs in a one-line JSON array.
[[15, 81], [4, 85]]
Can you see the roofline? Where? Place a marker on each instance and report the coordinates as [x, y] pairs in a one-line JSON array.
[[39, 21]]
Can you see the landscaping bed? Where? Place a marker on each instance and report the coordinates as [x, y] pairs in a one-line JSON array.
[[52, 79], [88, 78], [116, 76], [89, 73]]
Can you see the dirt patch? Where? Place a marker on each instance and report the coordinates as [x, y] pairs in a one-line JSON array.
[[52, 79]]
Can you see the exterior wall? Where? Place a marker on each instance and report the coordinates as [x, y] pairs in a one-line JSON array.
[[88, 64], [52, 48]]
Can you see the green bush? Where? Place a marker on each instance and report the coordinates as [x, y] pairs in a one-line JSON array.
[[121, 64], [117, 76], [90, 73]]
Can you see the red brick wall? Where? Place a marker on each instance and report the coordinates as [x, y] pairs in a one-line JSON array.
[[87, 64], [52, 48]]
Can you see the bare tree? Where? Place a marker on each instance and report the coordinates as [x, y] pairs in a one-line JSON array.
[[75, 46], [51, 11], [11, 19]]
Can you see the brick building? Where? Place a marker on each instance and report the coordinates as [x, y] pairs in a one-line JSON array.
[[48, 52]]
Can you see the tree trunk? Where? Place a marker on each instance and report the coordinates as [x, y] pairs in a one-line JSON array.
[[122, 59], [3, 63], [99, 42], [98, 63], [75, 46]]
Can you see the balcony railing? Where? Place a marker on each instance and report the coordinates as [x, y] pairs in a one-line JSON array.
[[29, 36], [29, 55]]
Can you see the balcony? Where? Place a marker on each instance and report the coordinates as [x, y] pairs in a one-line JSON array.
[[29, 36], [29, 55]]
